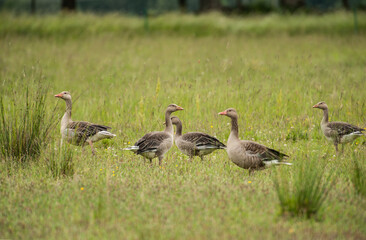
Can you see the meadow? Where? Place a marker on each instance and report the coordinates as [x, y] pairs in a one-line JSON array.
[[126, 78]]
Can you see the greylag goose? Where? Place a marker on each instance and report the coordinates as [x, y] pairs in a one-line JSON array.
[[156, 144], [247, 154], [337, 132], [195, 143], [80, 133]]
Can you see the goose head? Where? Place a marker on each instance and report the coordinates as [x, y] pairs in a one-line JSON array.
[[173, 108], [65, 95], [176, 121], [230, 112], [321, 105]]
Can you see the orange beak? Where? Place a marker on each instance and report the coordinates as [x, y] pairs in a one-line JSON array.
[[59, 95], [223, 113], [315, 106], [180, 108]]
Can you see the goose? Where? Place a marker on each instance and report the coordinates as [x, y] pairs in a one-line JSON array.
[[248, 154], [79, 133], [337, 132], [195, 143], [156, 144]]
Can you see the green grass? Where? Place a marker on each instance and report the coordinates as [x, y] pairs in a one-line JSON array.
[[25, 125], [126, 82], [304, 192], [213, 24]]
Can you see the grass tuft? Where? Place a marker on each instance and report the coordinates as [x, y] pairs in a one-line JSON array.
[[60, 162], [302, 193], [358, 175], [24, 124]]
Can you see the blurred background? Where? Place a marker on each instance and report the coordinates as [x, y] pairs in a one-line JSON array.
[[154, 7]]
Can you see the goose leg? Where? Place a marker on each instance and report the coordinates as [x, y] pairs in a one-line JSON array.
[[336, 147], [160, 159], [92, 148], [342, 148]]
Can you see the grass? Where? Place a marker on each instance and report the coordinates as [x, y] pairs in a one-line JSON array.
[[214, 24], [358, 176], [25, 125], [303, 193], [126, 82]]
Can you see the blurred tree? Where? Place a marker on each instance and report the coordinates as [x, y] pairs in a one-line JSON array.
[[68, 5], [207, 5], [33, 6], [182, 5]]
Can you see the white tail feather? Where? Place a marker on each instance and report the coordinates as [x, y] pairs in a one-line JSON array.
[[276, 162], [131, 148]]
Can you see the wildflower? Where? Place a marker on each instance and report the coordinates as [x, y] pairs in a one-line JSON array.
[[113, 171], [128, 142], [176, 165], [116, 167], [249, 181], [114, 175], [291, 230], [82, 189], [101, 169], [211, 126]]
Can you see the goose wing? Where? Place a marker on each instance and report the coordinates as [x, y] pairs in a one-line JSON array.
[[203, 140], [151, 141], [84, 130], [262, 152], [343, 128]]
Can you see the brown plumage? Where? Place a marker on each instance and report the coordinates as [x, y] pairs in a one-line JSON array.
[[156, 144], [337, 132], [80, 133], [195, 143], [247, 154]]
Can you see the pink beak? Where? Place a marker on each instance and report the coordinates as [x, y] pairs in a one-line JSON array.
[[59, 95], [315, 106], [180, 108], [223, 113]]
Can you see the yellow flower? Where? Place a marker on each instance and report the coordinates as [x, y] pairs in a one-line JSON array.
[[113, 174], [117, 167], [249, 181], [211, 126], [113, 171], [101, 169], [128, 142], [82, 189], [176, 165], [291, 230]]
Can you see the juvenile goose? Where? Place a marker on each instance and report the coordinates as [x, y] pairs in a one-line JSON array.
[[247, 154], [195, 143], [156, 144], [337, 132], [80, 133]]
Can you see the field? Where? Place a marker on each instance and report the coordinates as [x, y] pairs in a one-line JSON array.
[[126, 81]]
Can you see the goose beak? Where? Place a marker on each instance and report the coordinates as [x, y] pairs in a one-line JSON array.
[[223, 113], [180, 108], [59, 95], [315, 106]]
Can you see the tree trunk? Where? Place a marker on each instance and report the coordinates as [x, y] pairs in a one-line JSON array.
[[68, 5], [207, 5], [182, 5], [33, 6], [346, 4]]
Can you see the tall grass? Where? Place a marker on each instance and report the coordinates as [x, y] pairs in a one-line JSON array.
[[24, 124], [303, 192], [358, 174], [60, 161]]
